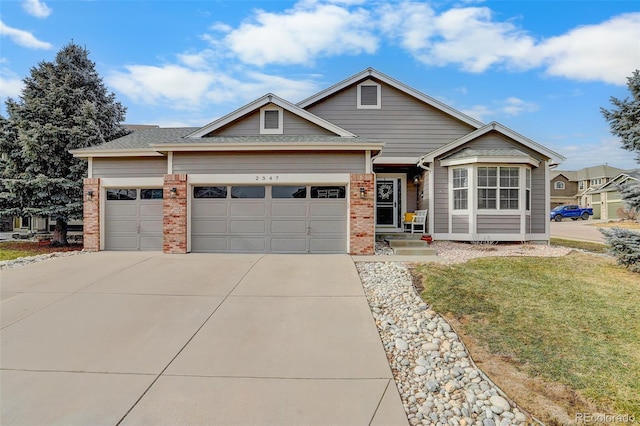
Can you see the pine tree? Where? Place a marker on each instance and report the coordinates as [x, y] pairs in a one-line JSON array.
[[624, 122], [64, 105]]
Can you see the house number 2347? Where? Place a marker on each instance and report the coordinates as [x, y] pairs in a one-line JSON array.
[[264, 178]]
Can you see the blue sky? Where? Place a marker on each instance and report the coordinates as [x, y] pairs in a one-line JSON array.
[[543, 68]]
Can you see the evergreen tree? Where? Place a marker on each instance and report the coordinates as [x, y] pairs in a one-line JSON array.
[[64, 105], [624, 122]]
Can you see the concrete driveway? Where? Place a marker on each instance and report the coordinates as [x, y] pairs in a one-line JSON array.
[[145, 338], [581, 230]]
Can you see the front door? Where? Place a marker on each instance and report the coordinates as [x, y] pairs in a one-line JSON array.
[[388, 202]]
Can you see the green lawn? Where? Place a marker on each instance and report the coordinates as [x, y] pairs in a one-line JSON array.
[[582, 245], [10, 254], [574, 319]]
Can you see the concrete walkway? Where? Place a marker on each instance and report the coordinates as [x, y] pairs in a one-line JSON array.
[[145, 338]]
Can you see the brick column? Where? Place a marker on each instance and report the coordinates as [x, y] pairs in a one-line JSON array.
[[174, 214], [363, 231], [91, 214]]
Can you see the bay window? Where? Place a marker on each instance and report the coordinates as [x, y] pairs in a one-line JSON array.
[[498, 188], [460, 189]]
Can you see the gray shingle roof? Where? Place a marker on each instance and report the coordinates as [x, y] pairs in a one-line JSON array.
[[474, 152], [151, 138]]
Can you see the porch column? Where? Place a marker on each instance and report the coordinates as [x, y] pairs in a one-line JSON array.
[[174, 214], [361, 214], [91, 214]]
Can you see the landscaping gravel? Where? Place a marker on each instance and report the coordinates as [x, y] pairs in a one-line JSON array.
[[23, 261], [438, 382]]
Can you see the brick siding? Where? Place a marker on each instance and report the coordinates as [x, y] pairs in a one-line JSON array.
[[362, 227], [91, 214], [174, 214]]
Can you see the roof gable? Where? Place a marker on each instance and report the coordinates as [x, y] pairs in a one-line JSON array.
[[264, 101], [497, 127], [372, 73]]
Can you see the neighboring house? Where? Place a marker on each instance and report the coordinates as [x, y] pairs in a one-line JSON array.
[[583, 182], [320, 176], [564, 187], [607, 199]]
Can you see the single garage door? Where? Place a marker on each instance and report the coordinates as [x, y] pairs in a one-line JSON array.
[[133, 219], [269, 219]]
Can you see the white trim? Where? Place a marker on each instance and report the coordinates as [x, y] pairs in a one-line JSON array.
[[489, 128], [272, 146], [547, 199], [367, 162], [396, 160], [497, 159], [378, 104], [139, 182], [431, 200], [258, 103], [90, 167], [270, 178], [170, 163], [559, 185], [277, 131], [117, 153]]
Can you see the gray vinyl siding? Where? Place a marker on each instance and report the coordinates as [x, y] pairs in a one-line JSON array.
[[441, 200], [539, 207], [292, 124], [406, 125], [460, 224], [498, 224], [424, 200], [129, 167], [277, 162]]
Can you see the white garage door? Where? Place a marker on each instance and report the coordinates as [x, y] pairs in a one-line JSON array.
[[269, 219], [133, 219]]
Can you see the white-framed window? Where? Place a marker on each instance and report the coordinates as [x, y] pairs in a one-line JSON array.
[[271, 119], [559, 185], [498, 188], [460, 180], [596, 182], [369, 95], [581, 185]]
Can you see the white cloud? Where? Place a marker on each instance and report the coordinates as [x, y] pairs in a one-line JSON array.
[[606, 52], [472, 38], [36, 8], [23, 38], [302, 34], [511, 106], [10, 84]]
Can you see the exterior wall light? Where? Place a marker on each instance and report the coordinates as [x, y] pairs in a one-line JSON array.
[[173, 192], [416, 180], [90, 195], [363, 193]]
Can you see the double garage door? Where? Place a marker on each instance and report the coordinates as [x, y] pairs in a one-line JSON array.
[[240, 219], [269, 219]]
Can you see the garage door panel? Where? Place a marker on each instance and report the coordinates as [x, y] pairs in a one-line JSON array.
[[248, 244], [327, 209], [121, 225], [290, 209], [327, 226], [247, 226], [205, 244], [288, 245], [121, 242], [150, 242], [285, 226], [327, 245], [151, 226], [213, 226], [207, 208], [150, 209], [248, 209]]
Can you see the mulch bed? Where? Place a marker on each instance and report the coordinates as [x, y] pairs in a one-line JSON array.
[[37, 246]]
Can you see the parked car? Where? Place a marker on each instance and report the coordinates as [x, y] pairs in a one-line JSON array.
[[570, 210]]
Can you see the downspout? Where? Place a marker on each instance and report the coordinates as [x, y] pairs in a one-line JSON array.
[[421, 164]]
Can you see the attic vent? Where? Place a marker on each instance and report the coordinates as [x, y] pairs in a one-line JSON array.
[[369, 95], [271, 119]]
